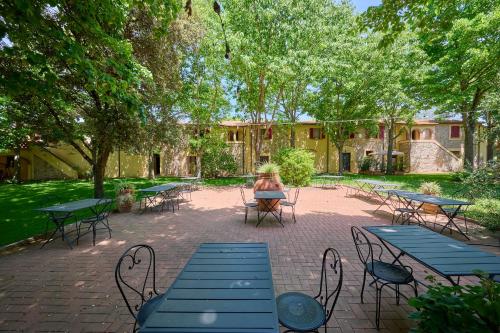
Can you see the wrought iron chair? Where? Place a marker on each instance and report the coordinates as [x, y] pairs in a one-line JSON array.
[[186, 191], [248, 204], [101, 213], [383, 273], [171, 197], [302, 313], [291, 201], [403, 212], [138, 291]]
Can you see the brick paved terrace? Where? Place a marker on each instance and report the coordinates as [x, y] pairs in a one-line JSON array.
[[58, 289]]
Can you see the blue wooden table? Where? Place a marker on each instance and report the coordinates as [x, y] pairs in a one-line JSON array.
[[225, 287], [445, 256], [161, 192]]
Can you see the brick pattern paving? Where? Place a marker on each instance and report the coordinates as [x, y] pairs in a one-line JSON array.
[[58, 289]]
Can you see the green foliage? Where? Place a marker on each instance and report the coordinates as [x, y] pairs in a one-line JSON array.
[[491, 213], [123, 186], [268, 168], [280, 156], [216, 159], [469, 308], [431, 188], [366, 163], [297, 167]]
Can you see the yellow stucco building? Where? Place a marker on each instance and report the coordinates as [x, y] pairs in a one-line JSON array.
[[427, 146]]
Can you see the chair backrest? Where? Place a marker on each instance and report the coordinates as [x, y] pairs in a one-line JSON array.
[[293, 195], [331, 281], [363, 246], [135, 276], [103, 207], [242, 192]]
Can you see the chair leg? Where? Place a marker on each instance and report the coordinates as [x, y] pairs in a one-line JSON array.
[[415, 288], [294, 220], [377, 306], [107, 225], [246, 214], [397, 294], [93, 233], [363, 287]]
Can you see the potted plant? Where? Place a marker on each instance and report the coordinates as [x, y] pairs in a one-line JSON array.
[[125, 197], [430, 188], [268, 180]]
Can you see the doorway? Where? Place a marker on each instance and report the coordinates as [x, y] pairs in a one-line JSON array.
[[156, 162], [346, 162]]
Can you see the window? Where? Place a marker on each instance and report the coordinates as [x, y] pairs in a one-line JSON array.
[[230, 136], [381, 131], [264, 159], [455, 132], [427, 134], [316, 133], [267, 136], [239, 136], [415, 134]]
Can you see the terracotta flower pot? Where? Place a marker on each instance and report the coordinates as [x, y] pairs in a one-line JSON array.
[[268, 182], [125, 208]]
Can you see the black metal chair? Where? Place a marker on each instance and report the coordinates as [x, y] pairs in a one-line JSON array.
[[135, 276], [186, 191], [383, 273], [403, 212], [302, 313], [171, 197], [291, 201], [101, 213], [248, 204]]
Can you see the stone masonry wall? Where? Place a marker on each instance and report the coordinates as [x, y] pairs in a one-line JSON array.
[[428, 156]]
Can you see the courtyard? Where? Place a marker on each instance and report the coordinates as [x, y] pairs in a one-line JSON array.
[[58, 289]]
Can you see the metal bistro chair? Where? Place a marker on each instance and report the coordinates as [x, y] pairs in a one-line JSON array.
[[302, 313], [135, 276], [186, 191], [383, 273], [291, 202], [405, 213], [248, 204], [171, 197], [101, 210]]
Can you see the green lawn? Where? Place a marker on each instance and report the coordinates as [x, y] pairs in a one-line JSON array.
[[19, 220]]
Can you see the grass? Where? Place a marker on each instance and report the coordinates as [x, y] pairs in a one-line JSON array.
[[19, 219]]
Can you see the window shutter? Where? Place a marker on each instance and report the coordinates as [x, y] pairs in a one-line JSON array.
[[455, 132], [270, 133], [381, 131], [311, 133]]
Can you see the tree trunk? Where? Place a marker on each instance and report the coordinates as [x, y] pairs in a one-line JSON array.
[[389, 169], [469, 129], [340, 148], [16, 178], [150, 165], [99, 169], [198, 163]]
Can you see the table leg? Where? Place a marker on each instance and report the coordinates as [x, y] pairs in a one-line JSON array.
[[269, 209], [59, 223], [451, 221]]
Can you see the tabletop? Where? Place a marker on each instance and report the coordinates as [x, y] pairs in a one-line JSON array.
[[162, 188], [269, 195], [425, 198], [330, 176], [444, 255], [377, 182], [73, 206], [225, 287]]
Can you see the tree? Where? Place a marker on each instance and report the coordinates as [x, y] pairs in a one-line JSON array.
[[343, 98], [490, 114], [79, 69], [461, 41], [399, 68]]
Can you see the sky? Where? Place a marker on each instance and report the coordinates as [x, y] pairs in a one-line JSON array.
[[362, 5]]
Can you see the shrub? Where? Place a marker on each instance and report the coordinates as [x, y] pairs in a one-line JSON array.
[[490, 213], [124, 187], [366, 163], [468, 308], [217, 161], [297, 167], [432, 188], [268, 168]]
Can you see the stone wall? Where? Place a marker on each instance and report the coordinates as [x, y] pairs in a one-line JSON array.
[[44, 170], [429, 156]]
